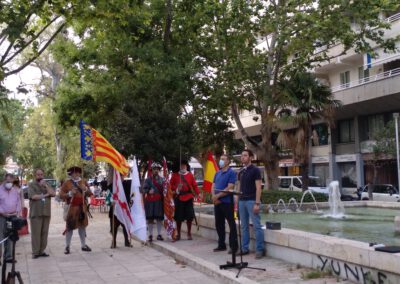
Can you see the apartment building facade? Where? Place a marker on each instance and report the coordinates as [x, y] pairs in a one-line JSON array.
[[369, 89]]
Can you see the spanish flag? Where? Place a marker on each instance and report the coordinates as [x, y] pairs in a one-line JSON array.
[[211, 169], [96, 148]]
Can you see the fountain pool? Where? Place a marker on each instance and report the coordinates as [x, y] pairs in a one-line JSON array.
[[364, 224]]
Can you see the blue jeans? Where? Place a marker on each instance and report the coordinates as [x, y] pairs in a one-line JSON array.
[[245, 213]]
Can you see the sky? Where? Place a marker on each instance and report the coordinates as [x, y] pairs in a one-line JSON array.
[[29, 77]]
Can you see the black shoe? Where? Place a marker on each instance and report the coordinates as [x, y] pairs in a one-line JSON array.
[[128, 245], [66, 251], [160, 238], [44, 254], [35, 256], [86, 248], [150, 238], [219, 249]]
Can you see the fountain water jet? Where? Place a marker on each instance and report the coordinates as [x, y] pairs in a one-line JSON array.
[[312, 195], [280, 201], [336, 208], [294, 202]]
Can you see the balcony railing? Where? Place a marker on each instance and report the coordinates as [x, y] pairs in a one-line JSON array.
[[393, 18], [366, 80]]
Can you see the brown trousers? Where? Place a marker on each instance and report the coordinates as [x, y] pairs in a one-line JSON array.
[[39, 233]]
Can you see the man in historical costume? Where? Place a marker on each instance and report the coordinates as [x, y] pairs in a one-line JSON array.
[[74, 192], [39, 193], [10, 205], [153, 201], [224, 179], [185, 188], [114, 222]]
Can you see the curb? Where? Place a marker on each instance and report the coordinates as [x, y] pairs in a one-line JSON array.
[[208, 268]]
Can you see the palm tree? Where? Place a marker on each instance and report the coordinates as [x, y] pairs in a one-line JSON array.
[[305, 100]]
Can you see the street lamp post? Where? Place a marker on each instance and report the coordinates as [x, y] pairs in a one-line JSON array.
[[396, 121]]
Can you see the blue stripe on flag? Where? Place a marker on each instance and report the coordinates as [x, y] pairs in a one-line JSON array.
[[86, 141]]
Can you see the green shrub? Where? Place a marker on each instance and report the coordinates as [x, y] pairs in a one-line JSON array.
[[272, 196]]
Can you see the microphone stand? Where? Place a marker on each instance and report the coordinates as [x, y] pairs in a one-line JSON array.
[[241, 265]]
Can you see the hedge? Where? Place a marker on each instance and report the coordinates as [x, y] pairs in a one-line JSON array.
[[272, 196]]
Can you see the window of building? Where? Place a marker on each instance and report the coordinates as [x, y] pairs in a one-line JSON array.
[[348, 174], [363, 75], [345, 79], [375, 123], [320, 135], [346, 131]]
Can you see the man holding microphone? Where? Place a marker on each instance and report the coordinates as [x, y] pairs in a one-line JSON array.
[[224, 179], [39, 193]]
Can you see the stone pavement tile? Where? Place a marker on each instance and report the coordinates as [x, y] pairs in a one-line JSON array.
[[151, 275], [88, 276], [49, 277], [127, 280], [136, 267], [112, 271], [187, 275], [75, 269]]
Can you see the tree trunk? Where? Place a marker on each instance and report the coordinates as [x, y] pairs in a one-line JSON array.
[[306, 159]]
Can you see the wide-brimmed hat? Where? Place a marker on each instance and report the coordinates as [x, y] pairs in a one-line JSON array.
[[74, 169], [156, 165]]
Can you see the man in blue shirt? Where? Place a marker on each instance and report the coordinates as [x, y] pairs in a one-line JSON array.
[[249, 204], [224, 179]]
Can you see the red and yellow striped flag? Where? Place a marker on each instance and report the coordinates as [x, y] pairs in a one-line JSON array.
[[95, 147], [210, 170]]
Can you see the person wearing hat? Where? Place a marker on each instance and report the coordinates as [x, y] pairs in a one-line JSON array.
[[153, 201], [39, 193], [74, 192], [185, 188]]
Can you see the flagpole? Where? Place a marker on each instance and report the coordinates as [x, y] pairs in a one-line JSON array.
[[113, 245]]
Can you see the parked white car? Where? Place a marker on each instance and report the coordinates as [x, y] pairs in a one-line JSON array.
[[294, 183], [382, 192]]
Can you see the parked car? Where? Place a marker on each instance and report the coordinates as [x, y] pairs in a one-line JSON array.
[[382, 192], [294, 183]]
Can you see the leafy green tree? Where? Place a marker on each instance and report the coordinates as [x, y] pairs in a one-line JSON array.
[[296, 36], [10, 127], [35, 146], [305, 100], [23, 22], [129, 77], [383, 147]]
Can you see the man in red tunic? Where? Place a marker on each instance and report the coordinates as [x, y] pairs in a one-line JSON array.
[[184, 186]]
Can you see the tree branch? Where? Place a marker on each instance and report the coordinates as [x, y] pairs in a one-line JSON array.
[[30, 41], [38, 54], [253, 145]]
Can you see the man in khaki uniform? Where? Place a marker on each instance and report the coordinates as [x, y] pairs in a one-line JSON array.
[[39, 193]]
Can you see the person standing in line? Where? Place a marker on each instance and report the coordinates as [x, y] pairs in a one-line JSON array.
[[74, 192], [153, 201], [185, 188], [249, 203], [10, 205], [224, 179], [39, 193]]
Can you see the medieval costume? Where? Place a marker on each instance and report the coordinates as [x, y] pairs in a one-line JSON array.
[[153, 204], [184, 185], [74, 192]]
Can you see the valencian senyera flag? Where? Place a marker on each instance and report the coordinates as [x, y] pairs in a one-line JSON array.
[[210, 170], [96, 148]]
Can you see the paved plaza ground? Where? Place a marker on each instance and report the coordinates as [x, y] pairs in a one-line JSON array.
[[158, 263]]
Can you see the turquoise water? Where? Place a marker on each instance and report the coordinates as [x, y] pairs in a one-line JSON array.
[[362, 224]]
